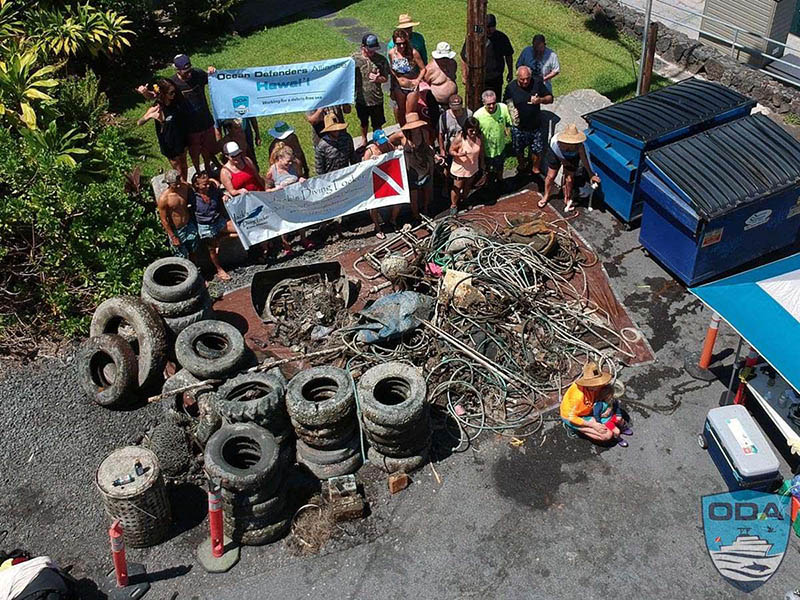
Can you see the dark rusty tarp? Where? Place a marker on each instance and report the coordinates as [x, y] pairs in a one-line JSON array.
[[237, 307]]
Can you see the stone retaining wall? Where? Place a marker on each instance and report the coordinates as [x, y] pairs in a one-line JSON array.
[[692, 55]]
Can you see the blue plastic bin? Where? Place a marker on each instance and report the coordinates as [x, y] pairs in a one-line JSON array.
[[618, 136], [721, 198]]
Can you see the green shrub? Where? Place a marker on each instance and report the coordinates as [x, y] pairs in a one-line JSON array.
[[82, 103], [67, 244]]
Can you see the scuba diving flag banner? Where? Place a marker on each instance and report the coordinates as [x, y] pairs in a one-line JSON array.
[[260, 216], [300, 87]]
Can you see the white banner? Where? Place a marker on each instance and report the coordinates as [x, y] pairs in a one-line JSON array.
[[260, 216]]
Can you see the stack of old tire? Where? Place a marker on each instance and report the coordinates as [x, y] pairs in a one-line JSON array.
[[125, 354], [322, 408], [259, 398], [395, 416], [246, 460], [174, 287], [206, 350]]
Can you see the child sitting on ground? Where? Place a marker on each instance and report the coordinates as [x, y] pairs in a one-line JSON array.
[[607, 411]]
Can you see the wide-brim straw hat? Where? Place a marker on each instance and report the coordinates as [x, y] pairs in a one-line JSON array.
[[571, 135], [404, 21], [413, 122], [593, 376], [333, 124]]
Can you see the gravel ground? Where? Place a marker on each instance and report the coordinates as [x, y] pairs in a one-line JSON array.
[[555, 518]]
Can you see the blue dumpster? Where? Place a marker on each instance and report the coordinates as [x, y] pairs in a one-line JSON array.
[[618, 136], [721, 198]]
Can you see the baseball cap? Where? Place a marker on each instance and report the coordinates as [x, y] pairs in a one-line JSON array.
[[172, 177], [231, 149], [181, 61], [370, 40], [456, 101], [491, 21], [379, 137]]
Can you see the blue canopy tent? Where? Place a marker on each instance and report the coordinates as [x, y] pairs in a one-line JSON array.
[[763, 306]]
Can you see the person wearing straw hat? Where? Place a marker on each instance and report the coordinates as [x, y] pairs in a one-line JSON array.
[[415, 139], [283, 132], [372, 70], [440, 74], [567, 150], [417, 40], [577, 407], [335, 150]]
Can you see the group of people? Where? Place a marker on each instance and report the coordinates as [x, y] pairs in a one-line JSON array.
[[438, 134]]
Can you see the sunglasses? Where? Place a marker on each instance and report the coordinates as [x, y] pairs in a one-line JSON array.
[[400, 43]]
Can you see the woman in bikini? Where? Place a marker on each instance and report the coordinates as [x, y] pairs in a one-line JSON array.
[[468, 159], [408, 71], [283, 173]]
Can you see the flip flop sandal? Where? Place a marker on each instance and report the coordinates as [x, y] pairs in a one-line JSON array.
[[569, 207], [380, 235], [542, 203]]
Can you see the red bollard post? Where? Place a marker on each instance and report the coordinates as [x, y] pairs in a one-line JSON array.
[[216, 554], [696, 365], [708, 344], [749, 363], [215, 521], [118, 553]]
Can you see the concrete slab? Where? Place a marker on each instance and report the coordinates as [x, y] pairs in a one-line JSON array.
[[221, 564]]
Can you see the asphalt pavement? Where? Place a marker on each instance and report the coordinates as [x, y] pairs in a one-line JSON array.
[[554, 518]]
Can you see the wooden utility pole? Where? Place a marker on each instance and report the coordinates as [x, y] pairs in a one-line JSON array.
[[476, 52], [649, 57]]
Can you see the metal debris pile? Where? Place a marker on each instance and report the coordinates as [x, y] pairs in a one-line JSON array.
[[306, 309], [511, 326]]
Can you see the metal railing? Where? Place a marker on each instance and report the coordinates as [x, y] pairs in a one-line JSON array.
[[734, 43]]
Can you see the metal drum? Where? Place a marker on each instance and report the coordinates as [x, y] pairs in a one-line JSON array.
[[141, 505]]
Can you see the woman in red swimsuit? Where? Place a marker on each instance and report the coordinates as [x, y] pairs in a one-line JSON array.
[[239, 175]]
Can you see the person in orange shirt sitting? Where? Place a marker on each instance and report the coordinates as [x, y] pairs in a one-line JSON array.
[[577, 406]]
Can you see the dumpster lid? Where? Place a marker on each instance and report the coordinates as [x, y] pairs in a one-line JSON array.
[[730, 165], [684, 104]]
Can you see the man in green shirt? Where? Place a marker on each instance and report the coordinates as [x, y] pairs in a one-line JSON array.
[[417, 41], [495, 122]]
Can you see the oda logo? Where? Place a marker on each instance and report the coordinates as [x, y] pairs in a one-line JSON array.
[[241, 104], [747, 533]]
